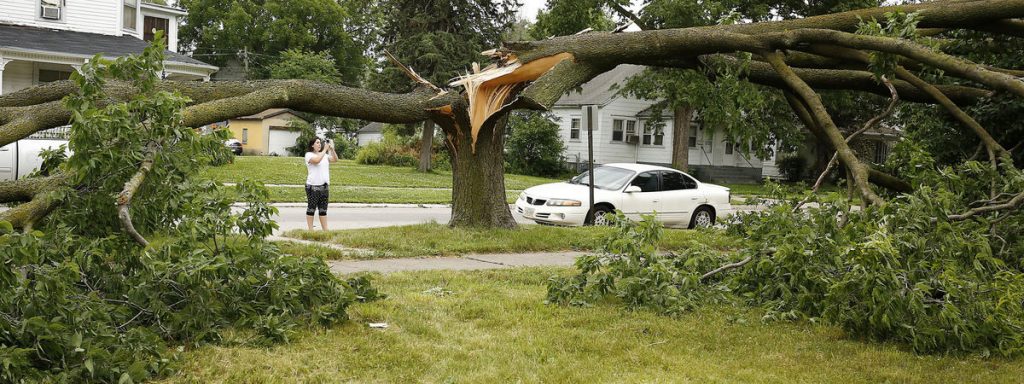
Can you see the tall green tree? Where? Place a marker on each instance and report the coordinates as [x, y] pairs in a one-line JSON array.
[[439, 39], [566, 17], [257, 32]]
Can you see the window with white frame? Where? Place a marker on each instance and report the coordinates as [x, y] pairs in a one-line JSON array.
[[51, 9], [648, 133], [728, 148], [574, 128], [659, 135], [693, 136], [617, 129], [131, 8]]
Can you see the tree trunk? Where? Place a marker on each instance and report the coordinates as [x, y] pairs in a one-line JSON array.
[[681, 137], [426, 146], [478, 177]]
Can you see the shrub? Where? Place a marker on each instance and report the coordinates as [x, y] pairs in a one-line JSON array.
[[534, 147], [792, 167], [392, 150]]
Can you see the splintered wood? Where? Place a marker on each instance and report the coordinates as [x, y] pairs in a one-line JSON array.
[[491, 89]]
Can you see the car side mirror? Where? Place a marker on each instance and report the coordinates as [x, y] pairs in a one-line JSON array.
[[633, 188]]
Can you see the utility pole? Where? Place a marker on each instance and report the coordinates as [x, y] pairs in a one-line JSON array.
[[245, 60]]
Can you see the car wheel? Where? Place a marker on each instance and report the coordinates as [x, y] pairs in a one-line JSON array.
[[703, 217], [598, 217]]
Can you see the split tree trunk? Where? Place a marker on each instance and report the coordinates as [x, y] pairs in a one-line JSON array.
[[427, 146], [680, 138], [478, 178]]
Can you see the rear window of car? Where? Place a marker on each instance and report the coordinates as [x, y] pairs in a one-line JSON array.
[[671, 181]]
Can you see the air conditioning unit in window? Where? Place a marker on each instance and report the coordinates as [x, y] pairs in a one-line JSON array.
[[52, 13], [632, 139]]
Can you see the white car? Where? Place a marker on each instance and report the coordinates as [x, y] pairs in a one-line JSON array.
[[675, 198]]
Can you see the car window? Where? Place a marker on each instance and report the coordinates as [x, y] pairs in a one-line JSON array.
[[611, 178], [671, 181], [647, 181]]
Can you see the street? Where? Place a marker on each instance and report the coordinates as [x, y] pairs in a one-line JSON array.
[[294, 217]]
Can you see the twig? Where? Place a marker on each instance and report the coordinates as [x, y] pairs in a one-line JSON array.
[[726, 267], [1014, 203], [412, 74]]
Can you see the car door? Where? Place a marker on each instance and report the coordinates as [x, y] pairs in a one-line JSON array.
[[645, 202], [681, 197]]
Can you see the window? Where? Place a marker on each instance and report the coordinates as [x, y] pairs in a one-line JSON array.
[[648, 132], [49, 75], [131, 8], [245, 135], [51, 9], [693, 136], [647, 181], [728, 148], [881, 152], [574, 129], [671, 181], [152, 24], [659, 136], [616, 130], [630, 127]]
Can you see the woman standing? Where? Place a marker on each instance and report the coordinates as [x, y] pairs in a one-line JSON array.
[[318, 179]]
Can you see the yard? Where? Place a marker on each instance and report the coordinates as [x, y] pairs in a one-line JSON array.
[[358, 183], [493, 326]]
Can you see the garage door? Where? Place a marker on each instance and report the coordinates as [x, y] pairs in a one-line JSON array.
[[280, 140]]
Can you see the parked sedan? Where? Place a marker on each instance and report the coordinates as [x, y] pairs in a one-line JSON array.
[[234, 145], [675, 198]]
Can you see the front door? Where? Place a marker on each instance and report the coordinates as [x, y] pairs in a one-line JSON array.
[[645, 202]]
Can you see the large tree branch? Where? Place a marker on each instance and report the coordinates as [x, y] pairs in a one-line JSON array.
[[1013, 203], [124, 199], [858, 170]]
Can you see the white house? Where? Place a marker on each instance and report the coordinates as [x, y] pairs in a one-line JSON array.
[[45, 40], [624, 133], [370, 133]]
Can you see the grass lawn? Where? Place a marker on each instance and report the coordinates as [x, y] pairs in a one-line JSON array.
[[291, 170], [441, 240], [493, 327]]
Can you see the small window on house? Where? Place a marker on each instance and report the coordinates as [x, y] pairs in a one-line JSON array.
[[152, 24], [881, 152], [574, 129], [728, 148], [648, 133], [659, 136], [51, 9], [617, 130], [49, 75], [630, 127], [245, 135], [693, 136], [130, 11]]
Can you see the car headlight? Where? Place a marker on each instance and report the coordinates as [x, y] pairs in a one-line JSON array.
[[564, 203], [522, 196]]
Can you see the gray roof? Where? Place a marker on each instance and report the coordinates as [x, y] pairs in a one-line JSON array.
[[598, 90], [79, 43], [372, 128]]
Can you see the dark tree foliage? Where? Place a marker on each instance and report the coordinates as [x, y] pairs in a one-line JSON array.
[[259, 31], [534, 146]]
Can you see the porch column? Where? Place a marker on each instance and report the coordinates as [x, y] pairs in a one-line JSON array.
[[3, 63]]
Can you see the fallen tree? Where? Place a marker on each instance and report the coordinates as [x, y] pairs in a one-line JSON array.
[[798, 56]]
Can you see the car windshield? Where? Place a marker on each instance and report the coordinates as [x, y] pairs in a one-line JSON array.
[[605, 178]]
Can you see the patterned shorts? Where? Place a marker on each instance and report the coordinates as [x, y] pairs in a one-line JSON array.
[[316, 198]]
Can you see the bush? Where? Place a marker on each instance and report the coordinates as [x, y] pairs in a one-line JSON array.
[[792, 167], [534, 147], [392, 150]]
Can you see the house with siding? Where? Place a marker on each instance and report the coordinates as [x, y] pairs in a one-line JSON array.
[[625, 132], [266, 133], [46, 40]]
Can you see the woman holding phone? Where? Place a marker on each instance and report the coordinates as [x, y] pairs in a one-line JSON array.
[[319, 155]]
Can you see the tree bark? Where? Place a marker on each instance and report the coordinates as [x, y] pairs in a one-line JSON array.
[[680, 138], [478, 177], [426, 146]]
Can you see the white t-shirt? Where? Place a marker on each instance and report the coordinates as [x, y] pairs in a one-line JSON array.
[[320, 173]]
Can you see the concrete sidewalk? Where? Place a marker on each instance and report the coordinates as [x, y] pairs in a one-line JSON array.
[[461, 263], [467, 262]]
